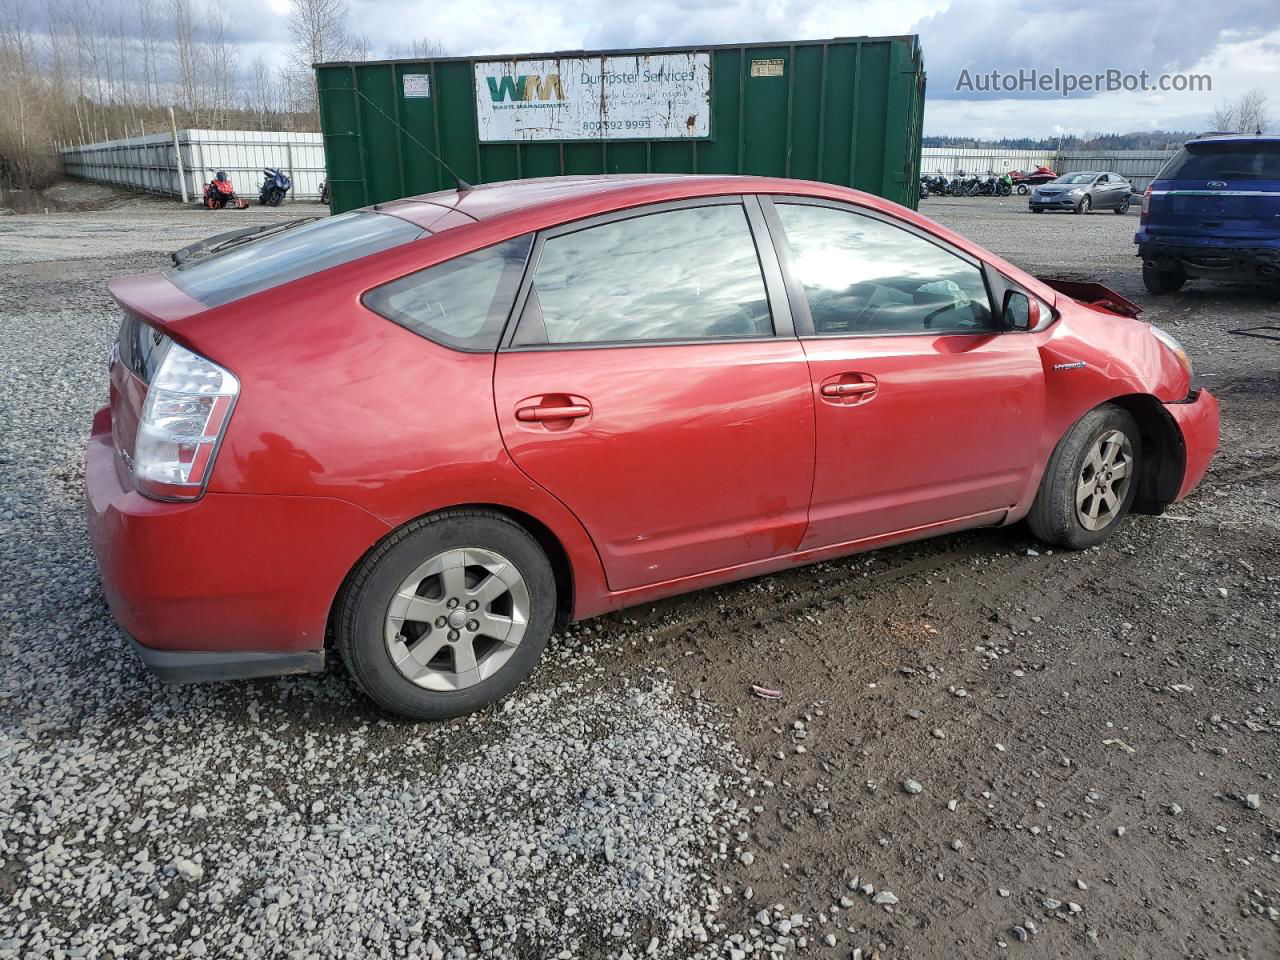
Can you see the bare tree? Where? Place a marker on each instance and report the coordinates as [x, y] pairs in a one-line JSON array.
[[260, 97], [1251, 112], [148, 42], [422, 48], [186, 54], [223, 58], [1247, 114], [320, 32]]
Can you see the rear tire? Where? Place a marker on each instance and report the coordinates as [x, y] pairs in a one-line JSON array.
[[395, 626], [1163, 281], [1124, 206], [1090, 481]]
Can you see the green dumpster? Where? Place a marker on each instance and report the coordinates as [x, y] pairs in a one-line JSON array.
[[846, 111]]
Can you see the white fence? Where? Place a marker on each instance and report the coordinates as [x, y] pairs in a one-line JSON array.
[[949, 161], [149, 163], [1139, 167]]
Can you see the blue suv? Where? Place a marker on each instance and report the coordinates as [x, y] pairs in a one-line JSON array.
[[1213, 211]]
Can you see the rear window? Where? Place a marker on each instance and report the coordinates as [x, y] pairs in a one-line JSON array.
[[1225, 161], [300, 251], [461, 303]]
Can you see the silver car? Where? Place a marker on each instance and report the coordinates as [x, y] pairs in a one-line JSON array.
[[1082, 192]]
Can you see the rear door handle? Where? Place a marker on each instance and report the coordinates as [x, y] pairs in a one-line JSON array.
[[539, 414], [847, 389]]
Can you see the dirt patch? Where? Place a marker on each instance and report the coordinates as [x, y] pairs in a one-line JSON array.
[[1095, 736]]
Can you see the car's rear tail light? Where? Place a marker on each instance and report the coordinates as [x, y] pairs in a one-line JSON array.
[[187, 408], [1146, 204]]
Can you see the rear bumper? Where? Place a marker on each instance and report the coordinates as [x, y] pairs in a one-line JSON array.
[[183, 666], [1197, 420], [231, 585], [1222, 260]]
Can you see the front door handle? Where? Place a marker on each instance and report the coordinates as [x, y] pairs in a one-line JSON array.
[[847, 389], [539, 414]]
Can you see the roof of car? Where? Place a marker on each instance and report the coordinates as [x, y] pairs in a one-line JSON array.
[[487, 200], [1235, 137]]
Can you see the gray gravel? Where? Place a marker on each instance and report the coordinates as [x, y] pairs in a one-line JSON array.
[[288, 818], [1052, 708]]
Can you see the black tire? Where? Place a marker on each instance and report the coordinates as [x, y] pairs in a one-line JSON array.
[[1085, 204], [275, 197], [1037, 209], [1163, 281], [359, 630], [1054, 517], [1124, 206]]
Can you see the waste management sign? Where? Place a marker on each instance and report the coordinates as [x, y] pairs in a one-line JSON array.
[[655, 97]]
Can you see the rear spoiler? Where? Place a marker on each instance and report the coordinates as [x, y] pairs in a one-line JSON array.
[[1094, 294]]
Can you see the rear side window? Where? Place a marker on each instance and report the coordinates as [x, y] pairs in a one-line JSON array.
[[300, 251], [688, 274], [1224, 161], [461, 303]]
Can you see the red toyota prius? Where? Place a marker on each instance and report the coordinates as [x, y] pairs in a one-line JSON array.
[[432, 430]]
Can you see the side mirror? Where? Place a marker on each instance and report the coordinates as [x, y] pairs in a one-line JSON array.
[[1020, 311]]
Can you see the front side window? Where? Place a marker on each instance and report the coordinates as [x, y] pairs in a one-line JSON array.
[[251, 267], [689, 274], [861, 275], [461, 303]]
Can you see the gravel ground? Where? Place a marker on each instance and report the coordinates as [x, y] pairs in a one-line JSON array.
[[983, 748]]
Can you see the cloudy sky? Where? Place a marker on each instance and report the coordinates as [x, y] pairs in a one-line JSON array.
[[1235, 42]]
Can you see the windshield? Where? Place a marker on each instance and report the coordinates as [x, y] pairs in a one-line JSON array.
[[1225, 161], [300, 251], [1077, 178]]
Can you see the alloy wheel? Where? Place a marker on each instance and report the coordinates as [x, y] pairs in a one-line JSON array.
[[1103, 484], [457, 619]]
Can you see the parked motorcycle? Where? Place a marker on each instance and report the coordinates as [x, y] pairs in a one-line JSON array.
[[939, 185], [219, 193], [273, 188]]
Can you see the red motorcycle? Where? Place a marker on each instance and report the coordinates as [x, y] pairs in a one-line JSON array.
[[1023, 182], [219, 193]]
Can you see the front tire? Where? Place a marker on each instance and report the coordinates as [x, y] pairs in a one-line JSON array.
[[1090, 481], [1085, 205], [447, 615]]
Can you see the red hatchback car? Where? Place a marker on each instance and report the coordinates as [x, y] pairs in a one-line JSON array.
[[438, 427]]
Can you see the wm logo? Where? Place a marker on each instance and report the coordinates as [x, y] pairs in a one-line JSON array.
[[525, 87]]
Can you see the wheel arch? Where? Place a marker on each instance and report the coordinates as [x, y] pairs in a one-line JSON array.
[[561, 565], [1164, 454]]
